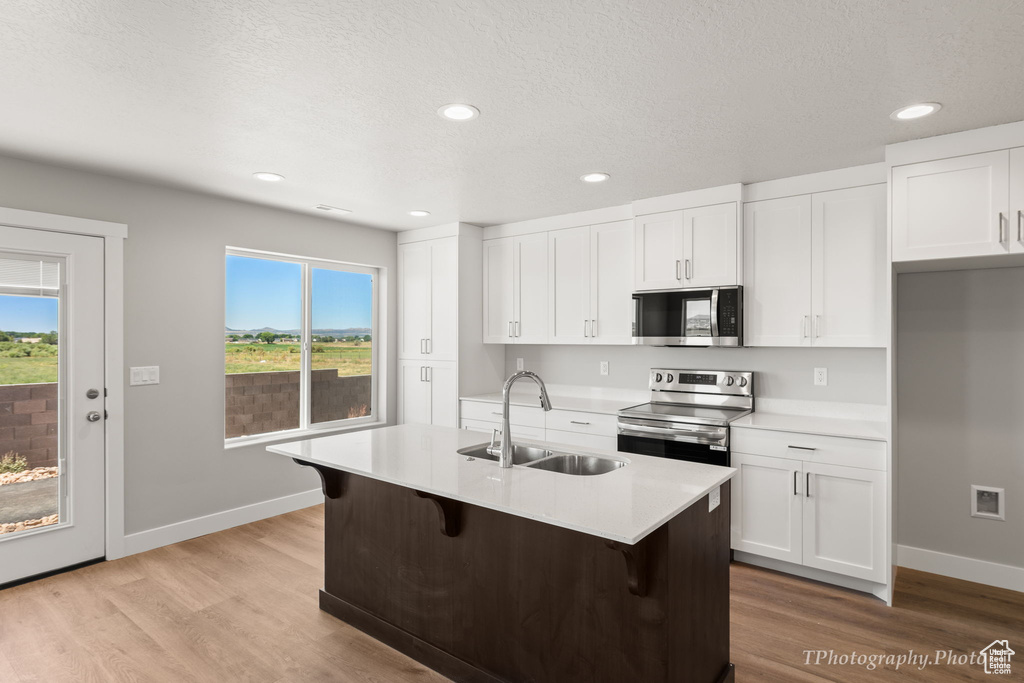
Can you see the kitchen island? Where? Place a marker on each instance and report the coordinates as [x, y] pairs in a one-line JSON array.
[[520, 574]]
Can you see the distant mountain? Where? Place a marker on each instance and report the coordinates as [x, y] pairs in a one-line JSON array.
[[346, 332]]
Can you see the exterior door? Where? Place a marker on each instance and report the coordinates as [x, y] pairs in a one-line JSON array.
[[52, 435], [766, 507]]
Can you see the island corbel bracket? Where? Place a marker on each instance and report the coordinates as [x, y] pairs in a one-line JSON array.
[[636, 565], [332, 481], [448, 512]]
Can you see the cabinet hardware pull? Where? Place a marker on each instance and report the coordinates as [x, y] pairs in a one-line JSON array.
[[586, 328], [803, 326], [807, 485], [495, 412], [517, 328], [687, 262], [421, 347], [1002, 225], [510, 329], [430, 345], [429, 372], [421, 373], [593, 327], [1020, 225], [574, 422], [795, 476], [678, 264], [802, 448], [817, 326]]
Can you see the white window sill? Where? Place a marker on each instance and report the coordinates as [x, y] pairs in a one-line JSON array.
[[296, 435]]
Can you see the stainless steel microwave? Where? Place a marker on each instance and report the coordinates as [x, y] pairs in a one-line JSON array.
[[689, 317]]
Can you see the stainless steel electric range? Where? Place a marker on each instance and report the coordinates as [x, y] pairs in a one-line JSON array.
[[688, 416]]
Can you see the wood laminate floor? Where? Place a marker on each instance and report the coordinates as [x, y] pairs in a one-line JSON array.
[[241, 605]]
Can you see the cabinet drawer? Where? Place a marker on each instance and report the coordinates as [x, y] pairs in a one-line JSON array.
[[582, 423], [518, 431], [604, 443], [491, 412], [832, 450]]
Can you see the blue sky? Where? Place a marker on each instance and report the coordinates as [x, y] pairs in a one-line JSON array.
[[264, 293], [28, 314]]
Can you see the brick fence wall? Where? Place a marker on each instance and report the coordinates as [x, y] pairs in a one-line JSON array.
[[28, 422], [261, 402]]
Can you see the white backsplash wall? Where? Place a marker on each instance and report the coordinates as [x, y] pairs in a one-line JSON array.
[[960, 403], [854, 375]]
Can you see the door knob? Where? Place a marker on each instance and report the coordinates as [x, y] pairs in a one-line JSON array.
[[92, 393], [93, 416]]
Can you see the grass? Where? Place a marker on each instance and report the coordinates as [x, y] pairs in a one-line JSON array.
[[29, 370], [346, 357]]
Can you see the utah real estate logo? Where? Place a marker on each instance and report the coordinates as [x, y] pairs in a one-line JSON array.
[[997, 657]]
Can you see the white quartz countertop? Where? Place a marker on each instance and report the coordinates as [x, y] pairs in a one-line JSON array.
[[623, 505], [811, 424]]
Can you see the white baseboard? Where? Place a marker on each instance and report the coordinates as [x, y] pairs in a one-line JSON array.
[[965, 568], [200, 526]]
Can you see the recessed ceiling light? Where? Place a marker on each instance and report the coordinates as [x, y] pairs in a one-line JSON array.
[[915, 111], [419, 213], [594, 177], [268, 177], [458, 112], [328, 207]]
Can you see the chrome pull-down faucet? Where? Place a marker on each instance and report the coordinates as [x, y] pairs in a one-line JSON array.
[[505, 452]]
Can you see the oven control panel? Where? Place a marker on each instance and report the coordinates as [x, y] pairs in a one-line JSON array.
[[702, 381]]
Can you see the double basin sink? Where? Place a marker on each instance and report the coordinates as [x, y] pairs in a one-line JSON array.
[[538, 458]]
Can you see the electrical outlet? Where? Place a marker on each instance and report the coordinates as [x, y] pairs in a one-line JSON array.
[[144, 375], [519, 364], [821, 377], [604, 367], [714, 498]]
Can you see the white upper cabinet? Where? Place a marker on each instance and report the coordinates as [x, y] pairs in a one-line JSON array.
[[658, 250], [952, 207], [848, 262], [777, 240], [569, 313], [516, 290], [1017, 200], [611, 283], [816, 269], [590, 279], [687, 248], [709, 246], [428, 299]]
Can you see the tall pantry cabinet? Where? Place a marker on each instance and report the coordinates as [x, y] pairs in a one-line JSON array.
[[440, 347]]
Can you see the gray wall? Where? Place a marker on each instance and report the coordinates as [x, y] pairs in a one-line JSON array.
[[854, 375], [176, 466], [960, 402]]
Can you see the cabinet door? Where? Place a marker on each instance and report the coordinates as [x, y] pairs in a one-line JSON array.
[[844, 520], [442, 381], [531, 289], [658, 240], [848, 290], [709, 246], [413, 393], [569, 319], [951, 207], [499, 286], [413, 299], [777, 260], [766, 506], [1017, 200], [611, 283], [442, 342]]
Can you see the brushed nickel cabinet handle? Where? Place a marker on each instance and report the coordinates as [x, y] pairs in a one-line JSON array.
[[593, 327], [817, 326], [803, 326], [687, 269], [1020, 225], [586, 328], [517, 328], [1002, 226], [802, 448], [795, 477], [510, 329], [807, 485], [575, 422], [430, 345], [678, 264]]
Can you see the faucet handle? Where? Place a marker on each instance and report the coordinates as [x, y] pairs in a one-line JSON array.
[[495, 448]]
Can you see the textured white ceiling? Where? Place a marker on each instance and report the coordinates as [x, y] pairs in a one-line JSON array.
[[340, 95]]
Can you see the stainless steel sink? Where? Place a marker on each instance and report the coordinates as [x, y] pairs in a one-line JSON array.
[[577, 465], [521, 454]]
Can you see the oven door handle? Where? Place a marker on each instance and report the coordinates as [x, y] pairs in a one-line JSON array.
[[673, 433]]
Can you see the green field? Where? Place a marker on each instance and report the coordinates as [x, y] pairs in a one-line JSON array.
[[349, 358], [28, 370]]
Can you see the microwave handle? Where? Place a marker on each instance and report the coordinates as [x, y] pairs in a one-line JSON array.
[[714, 313]]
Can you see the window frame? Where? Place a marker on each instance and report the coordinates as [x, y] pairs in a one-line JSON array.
[[306, 426]]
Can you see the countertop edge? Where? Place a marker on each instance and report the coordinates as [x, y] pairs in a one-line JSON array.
[[876, 432]]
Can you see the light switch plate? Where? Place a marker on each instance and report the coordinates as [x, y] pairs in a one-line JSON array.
[[141, 376], [714, 498]]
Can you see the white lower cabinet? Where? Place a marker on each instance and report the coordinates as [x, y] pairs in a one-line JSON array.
[[568, 427], [428, 392], [815, 514]]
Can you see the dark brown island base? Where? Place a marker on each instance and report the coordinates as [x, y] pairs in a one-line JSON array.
[[481, 595]]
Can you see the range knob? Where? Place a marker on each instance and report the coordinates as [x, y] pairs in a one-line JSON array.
[[729, 381], [743, 381], [669, 378], [657, 377]]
